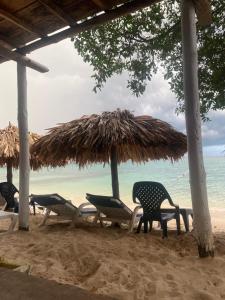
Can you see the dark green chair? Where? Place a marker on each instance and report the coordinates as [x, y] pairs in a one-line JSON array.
[[8, 191], [151, 195]]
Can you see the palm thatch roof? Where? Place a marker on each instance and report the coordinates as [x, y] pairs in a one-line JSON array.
[[90, 139], [9, 145]]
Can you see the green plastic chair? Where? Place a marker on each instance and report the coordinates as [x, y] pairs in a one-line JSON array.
[[151, 195]]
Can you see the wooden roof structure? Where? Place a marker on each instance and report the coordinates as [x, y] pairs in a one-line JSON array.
[[27, 25]]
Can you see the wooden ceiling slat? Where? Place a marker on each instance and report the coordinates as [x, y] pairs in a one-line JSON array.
[[5, 42], [103, 5], [58, 12], [18, 22]]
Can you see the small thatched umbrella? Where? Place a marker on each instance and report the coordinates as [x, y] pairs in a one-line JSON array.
[[9, 148], [112, 137]]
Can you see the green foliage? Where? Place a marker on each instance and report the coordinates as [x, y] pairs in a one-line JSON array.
[[143, 42]]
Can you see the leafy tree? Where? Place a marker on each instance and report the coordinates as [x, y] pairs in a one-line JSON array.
[[143, 42]]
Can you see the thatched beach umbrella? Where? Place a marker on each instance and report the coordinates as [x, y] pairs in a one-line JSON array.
[[112, 137], [9, 148]]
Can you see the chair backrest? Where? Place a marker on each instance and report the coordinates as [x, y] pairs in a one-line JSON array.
[[150, 194], [112, 208], [8, 190], [55, 203]]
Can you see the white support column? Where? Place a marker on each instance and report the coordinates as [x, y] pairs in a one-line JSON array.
[[24, 163], [202, 221]]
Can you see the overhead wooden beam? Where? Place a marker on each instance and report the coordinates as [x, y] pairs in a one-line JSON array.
[[58, 12], [19, 22], [109, 15], [22, 60]]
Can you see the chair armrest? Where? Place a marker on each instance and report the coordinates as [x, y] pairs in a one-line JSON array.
[[173, 204], [84, 205], [136, 209], [136, 201], [177, 208]]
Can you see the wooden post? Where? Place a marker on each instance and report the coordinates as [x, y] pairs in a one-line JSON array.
[[114, 173], [24, 162], [9, 171], [202, 220]]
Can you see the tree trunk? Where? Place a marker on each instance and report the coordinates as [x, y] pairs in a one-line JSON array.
[[202, 220], [9, 172], [24, 163], [114, 173]]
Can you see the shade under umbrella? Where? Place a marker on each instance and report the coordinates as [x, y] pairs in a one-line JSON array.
[[112, 137], [9, 148]]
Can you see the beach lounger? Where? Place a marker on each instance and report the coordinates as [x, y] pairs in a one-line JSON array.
[[9, 215], [61, 207], [114, 210], [8, 191], [151, 195]]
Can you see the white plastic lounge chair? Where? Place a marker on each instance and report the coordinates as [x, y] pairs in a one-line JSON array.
[[61, 207], [114, 210], [9, 215]]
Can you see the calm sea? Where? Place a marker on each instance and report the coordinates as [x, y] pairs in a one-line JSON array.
[[73, 183]]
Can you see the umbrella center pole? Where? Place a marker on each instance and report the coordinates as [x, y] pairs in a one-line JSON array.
[[9, 172], [114, 173]]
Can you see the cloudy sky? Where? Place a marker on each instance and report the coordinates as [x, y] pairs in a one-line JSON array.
[[65, 93]]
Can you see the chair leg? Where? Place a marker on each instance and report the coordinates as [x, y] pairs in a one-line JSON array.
[[134, 215], [150, 226], [131, 225], [178, 224], [98, 218], [74, 220], [101, 222], [139, 225], [145, 226], [186, 221], [34, 209], [45, 217], [13, 223], [164, 228]]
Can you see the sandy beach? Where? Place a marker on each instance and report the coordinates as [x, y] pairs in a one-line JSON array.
[[127, 266]]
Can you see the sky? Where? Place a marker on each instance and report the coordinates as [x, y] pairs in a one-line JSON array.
[[66, 93]]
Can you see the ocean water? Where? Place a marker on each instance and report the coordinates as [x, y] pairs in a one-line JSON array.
[[73, 183]]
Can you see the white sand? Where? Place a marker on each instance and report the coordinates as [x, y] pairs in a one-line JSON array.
[[128, 266]]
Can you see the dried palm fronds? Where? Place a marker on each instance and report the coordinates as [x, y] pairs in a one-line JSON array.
[[9, 145], [90, 139]]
